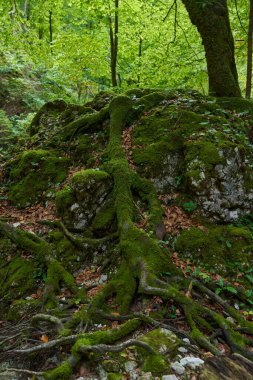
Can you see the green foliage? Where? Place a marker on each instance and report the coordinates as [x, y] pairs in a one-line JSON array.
[[189, 206]]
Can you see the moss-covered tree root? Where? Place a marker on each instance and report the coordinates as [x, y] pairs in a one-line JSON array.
[[44, 255], [141, 264]]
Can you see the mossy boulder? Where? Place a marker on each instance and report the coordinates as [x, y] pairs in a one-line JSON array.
[[222, 248], [32, 173], [87, 194], [164, 343], [188, 143]]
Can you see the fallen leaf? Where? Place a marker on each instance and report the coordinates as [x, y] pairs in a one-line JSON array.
[[44, 338]]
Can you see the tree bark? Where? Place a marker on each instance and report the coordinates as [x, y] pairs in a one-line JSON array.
[[114, 43], [212, 22], [249, 53]]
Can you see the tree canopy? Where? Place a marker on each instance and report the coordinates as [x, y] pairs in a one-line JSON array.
[[157, 43]]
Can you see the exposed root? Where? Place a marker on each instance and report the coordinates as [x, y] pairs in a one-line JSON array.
[[71, 339], [80, 243], [142, 261], [103, 348], [91, 121], [56, 273], [26, 371], [193, 312], [48, 318]]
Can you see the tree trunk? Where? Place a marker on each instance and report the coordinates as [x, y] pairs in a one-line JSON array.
[[212, 22], [114, 43], [51, 29], [249, 57]]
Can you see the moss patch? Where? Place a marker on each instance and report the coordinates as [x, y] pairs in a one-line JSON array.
[[32, 173], [217, 247]]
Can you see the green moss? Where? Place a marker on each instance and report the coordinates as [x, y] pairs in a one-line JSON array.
[[125, 286], [17, 278], [205, 151], [63, 372], [56, 273], [148, 194], [155, 363], [84, 177], [33, 173], [110, 365], [83, 149], [115, 376], [64, 199], [160, 338], [217, 247], [80, 316], [21, 308], [135, 243], [150, 100], [238, 105], [172, 127], [106, 337], [91, 122], [104, 218], [55, 106]]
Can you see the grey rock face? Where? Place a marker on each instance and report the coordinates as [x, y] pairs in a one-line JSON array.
[[223, 193], [168, 176]]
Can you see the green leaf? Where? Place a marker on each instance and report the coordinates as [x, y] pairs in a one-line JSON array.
[[228, 244], [231, 289], [249, 277]]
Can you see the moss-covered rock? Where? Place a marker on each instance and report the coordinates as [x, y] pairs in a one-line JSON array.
[[162, 342], [22, 308], [187, 143], [32, 173], [217, 247], [88, 193]]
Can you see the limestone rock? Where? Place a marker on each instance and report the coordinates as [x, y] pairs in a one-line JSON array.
[[178, 368], [87, 195], [192, 362]]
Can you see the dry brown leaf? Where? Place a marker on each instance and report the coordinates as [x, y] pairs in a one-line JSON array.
[[44, 338]]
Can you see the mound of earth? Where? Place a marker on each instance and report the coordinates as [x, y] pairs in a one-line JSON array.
[[126, 240]]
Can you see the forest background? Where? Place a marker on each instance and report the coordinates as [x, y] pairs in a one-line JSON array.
[[68, 45]]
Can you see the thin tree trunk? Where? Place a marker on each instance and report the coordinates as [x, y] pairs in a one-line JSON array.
[[26, 8], [212, 22], [140, 56], [114, 43], [249, 57], [51, 29]]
